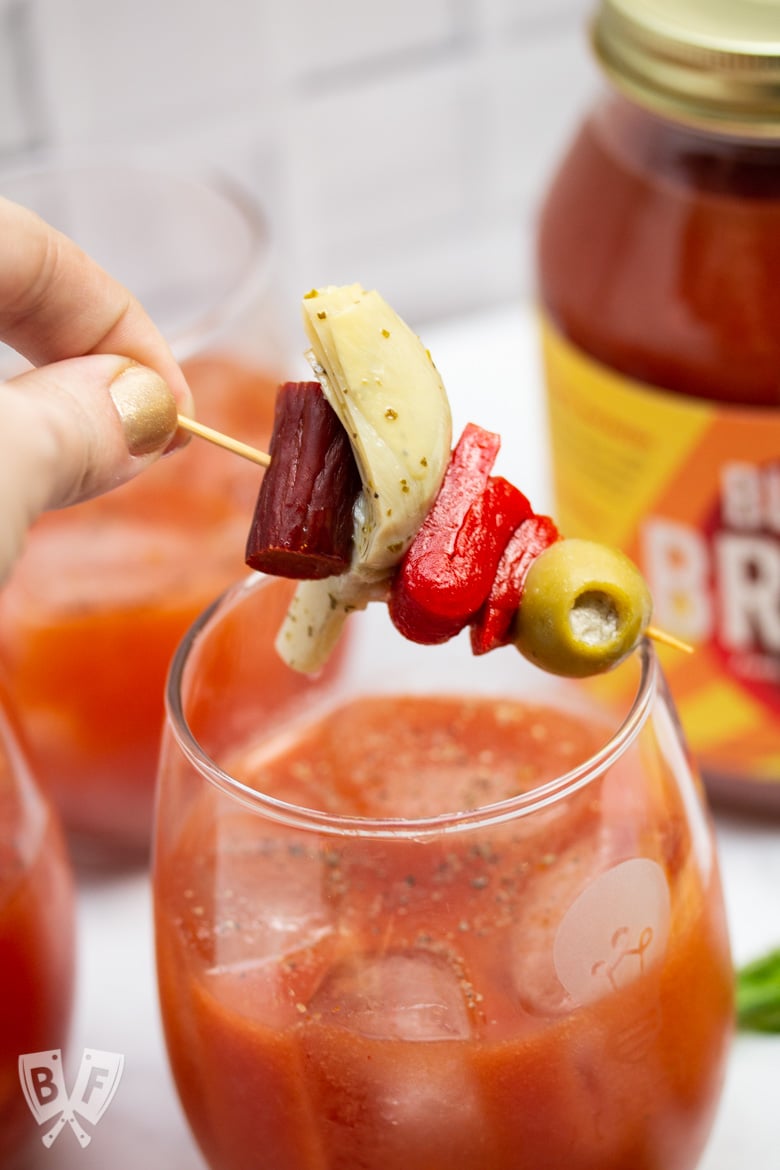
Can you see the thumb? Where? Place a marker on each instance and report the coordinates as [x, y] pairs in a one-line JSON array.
[[72, 430]]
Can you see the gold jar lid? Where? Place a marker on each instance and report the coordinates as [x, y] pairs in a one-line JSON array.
[[710, 63]]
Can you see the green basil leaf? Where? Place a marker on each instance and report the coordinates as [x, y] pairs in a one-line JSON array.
[[758, 994]]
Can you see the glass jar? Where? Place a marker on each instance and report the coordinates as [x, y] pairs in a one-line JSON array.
[[658, 261]]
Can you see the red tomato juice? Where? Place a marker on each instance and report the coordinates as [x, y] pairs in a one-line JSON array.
[[36, 965], [346, 1003], [101, 597]]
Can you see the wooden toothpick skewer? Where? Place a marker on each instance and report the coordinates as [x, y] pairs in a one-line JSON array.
[[668, 639], [238, 448], [263, 459]]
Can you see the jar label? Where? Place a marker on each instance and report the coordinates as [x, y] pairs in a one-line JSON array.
[[690, 490]]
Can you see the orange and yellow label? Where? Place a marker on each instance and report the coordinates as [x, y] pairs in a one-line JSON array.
[[691, 490]]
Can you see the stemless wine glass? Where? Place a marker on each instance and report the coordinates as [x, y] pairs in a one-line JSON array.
[[427, 911], [105, 591], [37, 937]]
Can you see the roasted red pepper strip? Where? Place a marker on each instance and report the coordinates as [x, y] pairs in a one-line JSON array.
[[302, 526], [492, 625], [448, 569]]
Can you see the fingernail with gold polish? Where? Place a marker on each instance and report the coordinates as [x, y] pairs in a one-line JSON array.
[[146, 409]]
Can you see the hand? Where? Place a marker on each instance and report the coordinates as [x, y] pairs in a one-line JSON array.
[[101, 405]]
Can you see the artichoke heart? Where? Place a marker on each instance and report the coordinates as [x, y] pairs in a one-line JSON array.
[[390, 399]]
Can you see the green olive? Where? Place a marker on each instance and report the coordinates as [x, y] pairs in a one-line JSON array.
[[584, 608]]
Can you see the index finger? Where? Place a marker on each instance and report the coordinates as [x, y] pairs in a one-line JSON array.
[[56, 303]]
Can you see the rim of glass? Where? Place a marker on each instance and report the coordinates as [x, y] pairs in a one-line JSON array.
[[419, 828], [256, 268]]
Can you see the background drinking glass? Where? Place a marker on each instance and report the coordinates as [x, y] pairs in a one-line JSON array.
[[105, 591], [37, 936], [428, 910]]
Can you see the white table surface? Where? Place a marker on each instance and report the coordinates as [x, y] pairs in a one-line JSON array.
[[490, 366]]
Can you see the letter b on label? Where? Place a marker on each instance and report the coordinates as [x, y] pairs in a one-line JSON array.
[[44, 1085], [677, 565]]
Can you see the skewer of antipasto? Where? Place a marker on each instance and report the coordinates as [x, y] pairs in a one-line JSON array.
[[365, 499]]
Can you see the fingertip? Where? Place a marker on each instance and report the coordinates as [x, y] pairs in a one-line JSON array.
[[147, 409], [77, 428]]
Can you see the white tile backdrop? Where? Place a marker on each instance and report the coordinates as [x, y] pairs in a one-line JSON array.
[[404, 145]]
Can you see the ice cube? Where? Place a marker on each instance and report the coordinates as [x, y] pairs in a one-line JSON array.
[[271, 899], [382, 1098], [553, 885], [395, 996], [428, 1112]]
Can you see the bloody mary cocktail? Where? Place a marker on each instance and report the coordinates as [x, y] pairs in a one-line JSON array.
[[104, 591], [101, 597], [423, 911], [37, 938]]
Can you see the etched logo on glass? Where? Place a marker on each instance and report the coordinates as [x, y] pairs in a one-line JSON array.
[[614, 931]]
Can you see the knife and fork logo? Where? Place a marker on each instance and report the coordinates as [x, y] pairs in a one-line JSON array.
[[42, 1079]]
